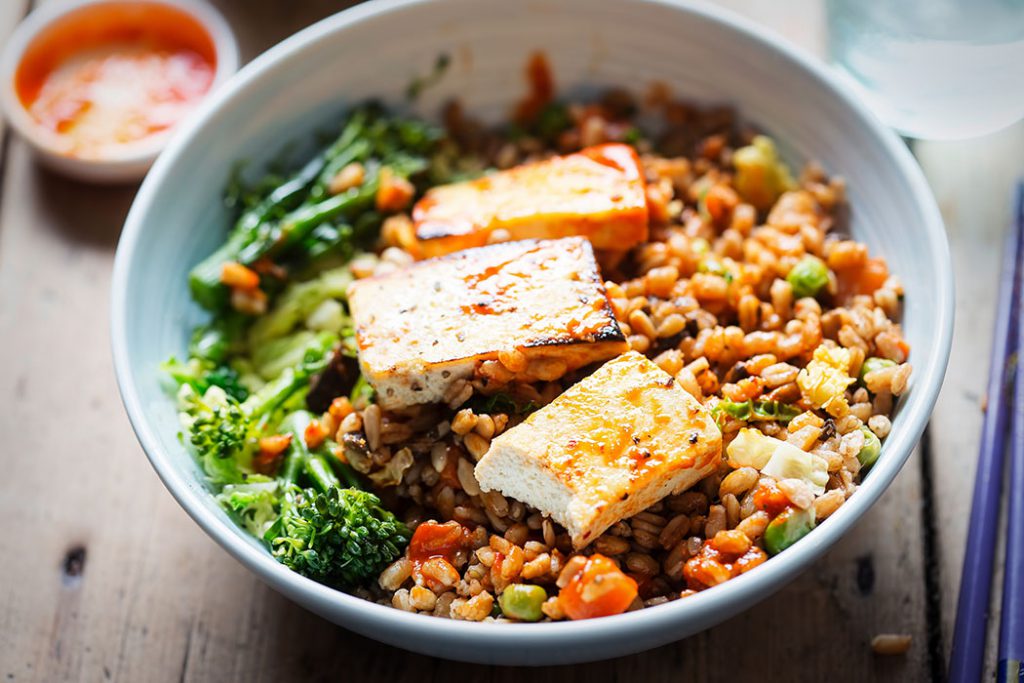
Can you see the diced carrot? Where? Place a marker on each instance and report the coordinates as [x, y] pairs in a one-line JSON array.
[[275, 445], [864, 279], [394, 192], [341, 408], [770, 498], [872, 276], [720, 200], [314, 434], [599, 589], [237, 276], [270, 450]]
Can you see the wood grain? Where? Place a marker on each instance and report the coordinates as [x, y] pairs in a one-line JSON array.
[[972, 181], [105, 578]]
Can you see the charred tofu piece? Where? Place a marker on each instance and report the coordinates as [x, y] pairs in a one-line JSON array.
[[529, 311], [609, 447], [597, 193]]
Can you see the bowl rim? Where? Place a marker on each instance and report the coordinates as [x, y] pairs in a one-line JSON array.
[[132, 155], [747, 589]]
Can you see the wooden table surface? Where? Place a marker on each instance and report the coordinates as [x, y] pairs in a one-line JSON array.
[[104, 577]]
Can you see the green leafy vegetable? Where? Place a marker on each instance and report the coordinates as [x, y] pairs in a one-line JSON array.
[[552, 121], [221, 434], [296, 303], [362, 392], [201, 376], [254, 506]]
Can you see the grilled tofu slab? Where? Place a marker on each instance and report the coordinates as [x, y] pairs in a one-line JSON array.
[[597, 193], [607, 448], [530, 310]]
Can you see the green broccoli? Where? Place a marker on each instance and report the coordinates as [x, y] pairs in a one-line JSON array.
[[203, 375], [222, 436], [340, 536], [254, 505], [223, 431]]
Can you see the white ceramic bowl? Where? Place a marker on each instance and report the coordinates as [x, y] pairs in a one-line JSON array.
[[372, 51], [131, 162]]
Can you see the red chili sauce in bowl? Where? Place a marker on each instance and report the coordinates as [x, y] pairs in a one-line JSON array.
[[108, 77]]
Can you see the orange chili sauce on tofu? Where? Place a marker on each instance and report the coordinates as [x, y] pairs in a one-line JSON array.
[[108, 75]]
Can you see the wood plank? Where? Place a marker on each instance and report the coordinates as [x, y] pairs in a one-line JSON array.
[[119, 584], [972, 181]]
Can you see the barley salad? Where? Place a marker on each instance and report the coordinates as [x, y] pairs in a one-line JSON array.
[[597, 358]]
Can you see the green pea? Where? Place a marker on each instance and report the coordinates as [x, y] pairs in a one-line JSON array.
[[808, 276], [787, 528], [874, 363], [870, 450], [522, 601]]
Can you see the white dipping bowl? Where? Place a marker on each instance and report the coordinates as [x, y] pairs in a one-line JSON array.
[[125, 163], [372, 51]]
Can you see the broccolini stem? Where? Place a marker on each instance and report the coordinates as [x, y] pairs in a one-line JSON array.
[[294, 462], [319, 470], [272, 395], [300, 458], [347, 474], [253, 235]]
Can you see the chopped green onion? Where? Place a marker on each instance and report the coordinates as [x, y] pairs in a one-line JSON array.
[[874, 363], [758, 409]]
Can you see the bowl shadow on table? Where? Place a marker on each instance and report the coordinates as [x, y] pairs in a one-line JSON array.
[[817, 628], [85, 214]]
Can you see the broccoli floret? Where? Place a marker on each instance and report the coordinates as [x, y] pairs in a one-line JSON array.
[[335, 535], [219, 431], [255, 506], [223, 432], [202, 375], [342, 537]]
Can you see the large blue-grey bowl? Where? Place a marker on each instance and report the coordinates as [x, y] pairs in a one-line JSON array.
[[374, 50]]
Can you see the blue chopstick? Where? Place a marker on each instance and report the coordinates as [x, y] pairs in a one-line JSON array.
[[968, 653], [1011, 626]]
